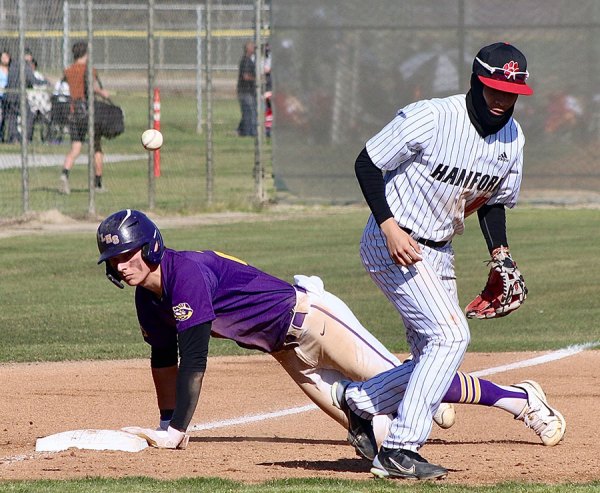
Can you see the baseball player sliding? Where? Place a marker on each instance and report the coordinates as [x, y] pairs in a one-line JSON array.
[[182, 297], [442, 159]]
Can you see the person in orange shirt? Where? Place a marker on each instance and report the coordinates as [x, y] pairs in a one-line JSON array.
[[75, 76]]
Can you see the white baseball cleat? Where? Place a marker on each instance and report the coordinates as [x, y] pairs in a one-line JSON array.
[[547, 422], [445, 416]]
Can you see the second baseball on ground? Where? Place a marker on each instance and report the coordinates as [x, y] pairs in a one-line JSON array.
[[152, 139]]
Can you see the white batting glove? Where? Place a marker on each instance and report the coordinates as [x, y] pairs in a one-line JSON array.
[[169, 438]]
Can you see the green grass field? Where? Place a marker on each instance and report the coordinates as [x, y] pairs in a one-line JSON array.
[[209, 485], [57, 305]]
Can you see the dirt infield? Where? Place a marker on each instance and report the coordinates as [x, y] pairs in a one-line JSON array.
[[485, 446]]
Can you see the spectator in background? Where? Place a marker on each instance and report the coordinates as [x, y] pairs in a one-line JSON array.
[[75, 76], [39, 78], [267, 68], [4, 63], [268, 90], [60, 103], [13, 99], [246, 92], [39, 103]]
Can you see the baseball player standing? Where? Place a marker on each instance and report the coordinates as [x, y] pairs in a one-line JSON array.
[[442, 159]]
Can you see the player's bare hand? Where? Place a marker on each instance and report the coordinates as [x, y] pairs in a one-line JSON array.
[[404, 250]]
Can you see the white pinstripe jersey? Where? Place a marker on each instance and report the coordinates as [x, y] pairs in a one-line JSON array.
[[438, 169]]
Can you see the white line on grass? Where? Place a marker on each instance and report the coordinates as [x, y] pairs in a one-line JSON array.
[[539, 360]]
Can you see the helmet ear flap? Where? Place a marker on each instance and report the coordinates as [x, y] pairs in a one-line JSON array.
[[152, 251], [146, 252], [113, 275]]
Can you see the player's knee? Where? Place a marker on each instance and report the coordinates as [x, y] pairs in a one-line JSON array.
[[458, 336], [463, 344], [460, 327], [462, 334]]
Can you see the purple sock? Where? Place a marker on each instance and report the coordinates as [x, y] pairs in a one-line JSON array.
[[478, 391]]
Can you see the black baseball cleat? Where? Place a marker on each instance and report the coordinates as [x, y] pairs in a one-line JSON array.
[[400, 463], [360, 430]]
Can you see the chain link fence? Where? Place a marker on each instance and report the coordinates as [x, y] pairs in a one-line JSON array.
[[341, 71], [180, 57], [345, 68]]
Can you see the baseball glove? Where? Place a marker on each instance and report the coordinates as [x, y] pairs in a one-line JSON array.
[[504, 292]]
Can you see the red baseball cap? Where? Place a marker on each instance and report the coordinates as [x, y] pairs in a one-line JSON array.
[[503, 67]]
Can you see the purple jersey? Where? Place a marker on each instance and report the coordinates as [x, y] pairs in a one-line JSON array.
[[244, 304]]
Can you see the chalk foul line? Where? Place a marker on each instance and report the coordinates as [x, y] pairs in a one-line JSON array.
[[538, 360], [252, 418]]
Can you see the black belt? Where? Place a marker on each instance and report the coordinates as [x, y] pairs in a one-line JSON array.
[[423, 241]]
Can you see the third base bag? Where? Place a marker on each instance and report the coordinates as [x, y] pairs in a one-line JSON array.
[[108, 119]]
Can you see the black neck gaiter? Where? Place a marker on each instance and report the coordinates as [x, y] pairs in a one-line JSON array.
[[484, 122]]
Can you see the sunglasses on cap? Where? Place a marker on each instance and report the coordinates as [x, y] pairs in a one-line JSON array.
[[505, 73]]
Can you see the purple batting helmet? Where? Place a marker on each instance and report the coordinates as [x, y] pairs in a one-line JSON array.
[[125, 231]]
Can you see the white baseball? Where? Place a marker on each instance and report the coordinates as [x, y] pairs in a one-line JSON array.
[[445, 416], [152, 139]]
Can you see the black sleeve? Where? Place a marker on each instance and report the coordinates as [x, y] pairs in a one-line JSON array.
[[163, 357], [193, 353], [492, 220], [29, 76], [372, 186]]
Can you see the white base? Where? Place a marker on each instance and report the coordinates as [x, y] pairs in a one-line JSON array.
[[91, 440]]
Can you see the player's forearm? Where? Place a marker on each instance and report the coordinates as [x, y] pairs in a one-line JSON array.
[[189, 384], [492, 220], [164, 382], [163, 361], [193, 350]]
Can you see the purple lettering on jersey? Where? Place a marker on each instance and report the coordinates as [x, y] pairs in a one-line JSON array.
[[243, 303]]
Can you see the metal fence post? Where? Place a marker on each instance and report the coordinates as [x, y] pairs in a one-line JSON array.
[[259, 169], [151, 84], [199, 23], [66, 33], [23, 108], [90, 104], [209, 108]]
